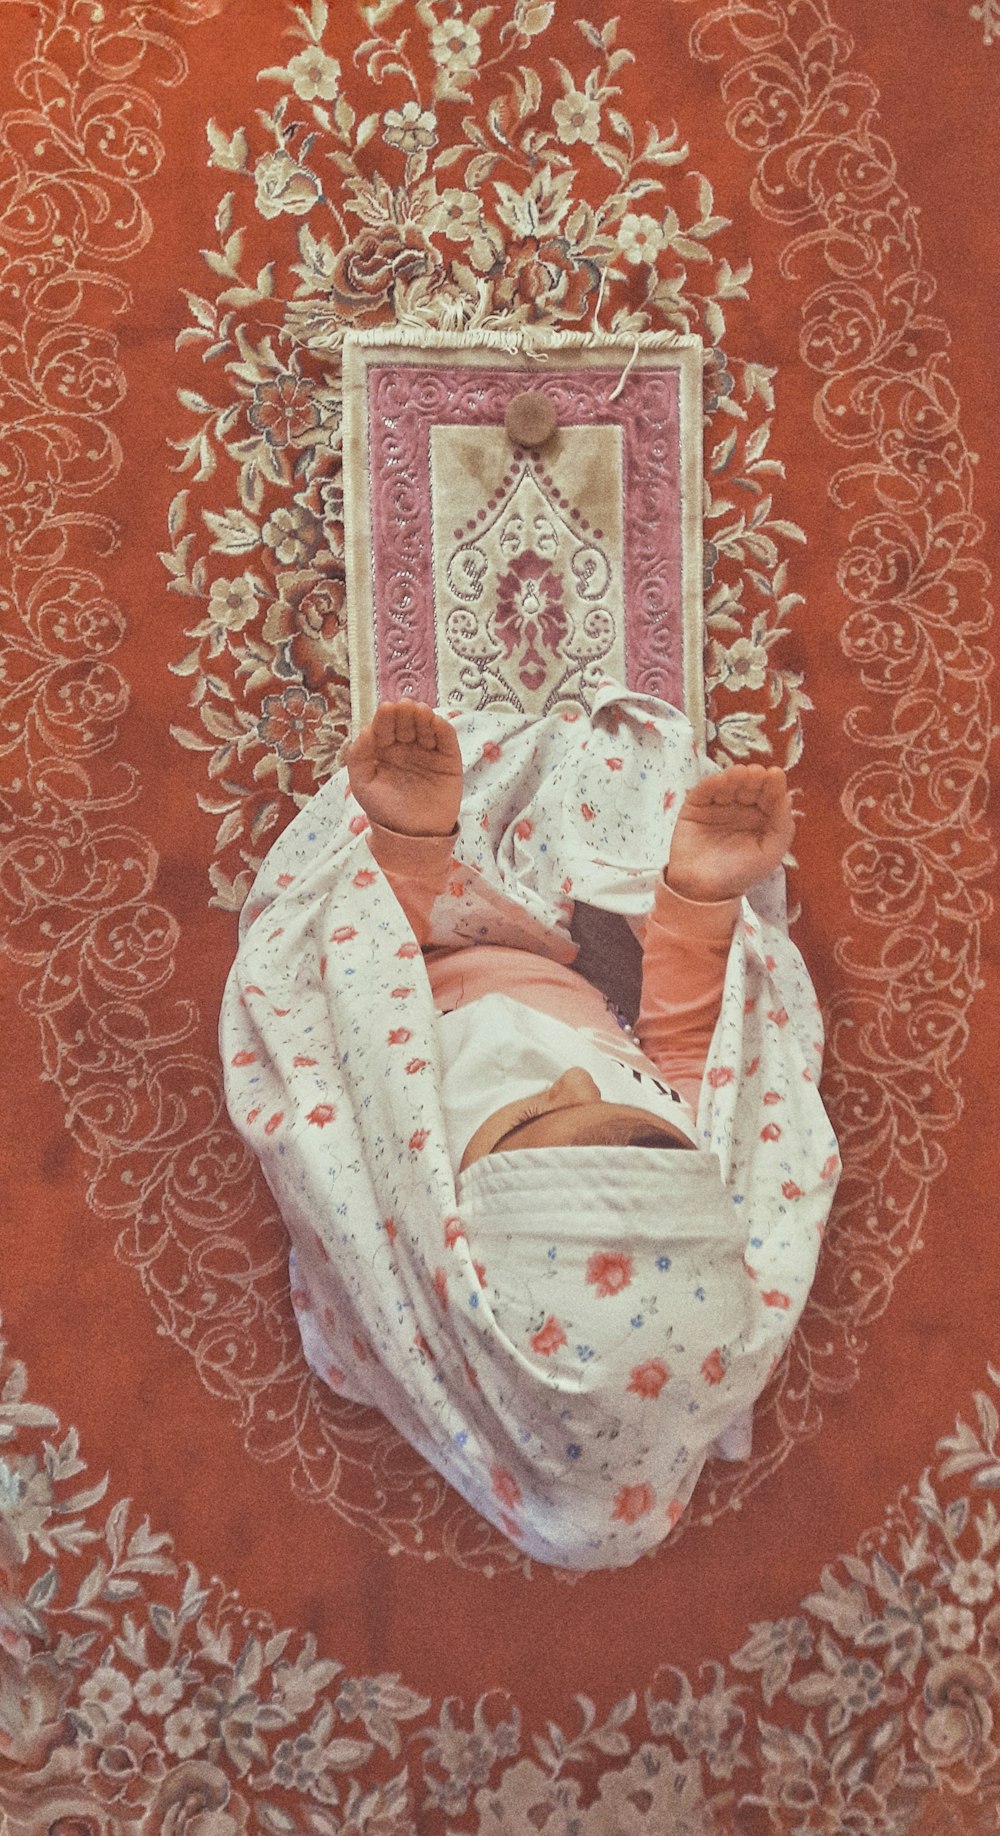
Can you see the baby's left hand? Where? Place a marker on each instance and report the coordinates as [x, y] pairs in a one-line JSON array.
[[734, 828], [405, 769]]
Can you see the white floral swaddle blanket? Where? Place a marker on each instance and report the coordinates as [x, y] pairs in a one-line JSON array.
[[333, 1065]]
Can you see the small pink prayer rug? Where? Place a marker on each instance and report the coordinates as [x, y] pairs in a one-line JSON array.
[[523, 518]]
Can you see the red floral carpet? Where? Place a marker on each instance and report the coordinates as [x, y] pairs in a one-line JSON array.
[[231, 1603]]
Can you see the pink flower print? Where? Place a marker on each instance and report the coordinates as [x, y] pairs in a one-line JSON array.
[[455, 888], [408, 950], [648, 1379], [452, 1231], [770, 964], [586, 812], [281, 1011], [252, 1115], [571, 714], [791, 1190], [334, 1376], [415, 1064], [418, 1138], [280, 932], [721, 1074], [775, 1298], [363, 877], [614, 764], [329, 1318], [389, 1226], [675, 1511], [358, 825], [609, 1271], [484, 821], [771, 1132], [400, 994], [343, 934], [285, 879], [399, 1035], [524, 830], [470, 1373], [322, 967], [633, 1502], [567, 885], [505, 1487], [243, 1058], [321, 1114], [480, 1268], [829, 1167], [422, 1346], [360, 1349], [751, 1272], [548, 1338], [301, 1059], [512, 1529], [752, 1068], [441, 1286], [713, 1370], [251, 988], [274, 1122], [772, 1096], [750, 1004], [779, 1016], [492, 751], [669, 799]]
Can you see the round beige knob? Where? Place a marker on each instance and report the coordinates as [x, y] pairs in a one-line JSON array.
[[530, 418]]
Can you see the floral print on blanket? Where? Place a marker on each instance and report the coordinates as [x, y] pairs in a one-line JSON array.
[[533, 1371]]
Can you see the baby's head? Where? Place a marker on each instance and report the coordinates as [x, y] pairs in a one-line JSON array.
[[570, 1113]]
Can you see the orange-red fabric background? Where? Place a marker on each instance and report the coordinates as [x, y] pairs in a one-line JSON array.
[[141, 1259]]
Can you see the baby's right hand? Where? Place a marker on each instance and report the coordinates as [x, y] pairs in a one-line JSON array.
[[734, 828], [405, 769]]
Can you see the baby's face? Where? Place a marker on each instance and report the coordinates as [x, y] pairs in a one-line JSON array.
[[570, 1113]]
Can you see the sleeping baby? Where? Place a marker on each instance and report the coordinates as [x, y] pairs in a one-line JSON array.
[[561, 1252]]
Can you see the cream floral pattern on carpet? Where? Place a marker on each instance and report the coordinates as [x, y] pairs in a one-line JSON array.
[[134, 1697], [915, 622], [419, 216], [989, 13]]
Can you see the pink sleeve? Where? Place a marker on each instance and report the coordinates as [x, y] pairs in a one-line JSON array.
[[416, 867], [685, 952]]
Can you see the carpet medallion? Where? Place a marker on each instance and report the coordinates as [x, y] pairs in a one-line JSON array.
[[229, 1600]]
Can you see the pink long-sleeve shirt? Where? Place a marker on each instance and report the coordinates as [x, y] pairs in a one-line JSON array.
[[685, 949]]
